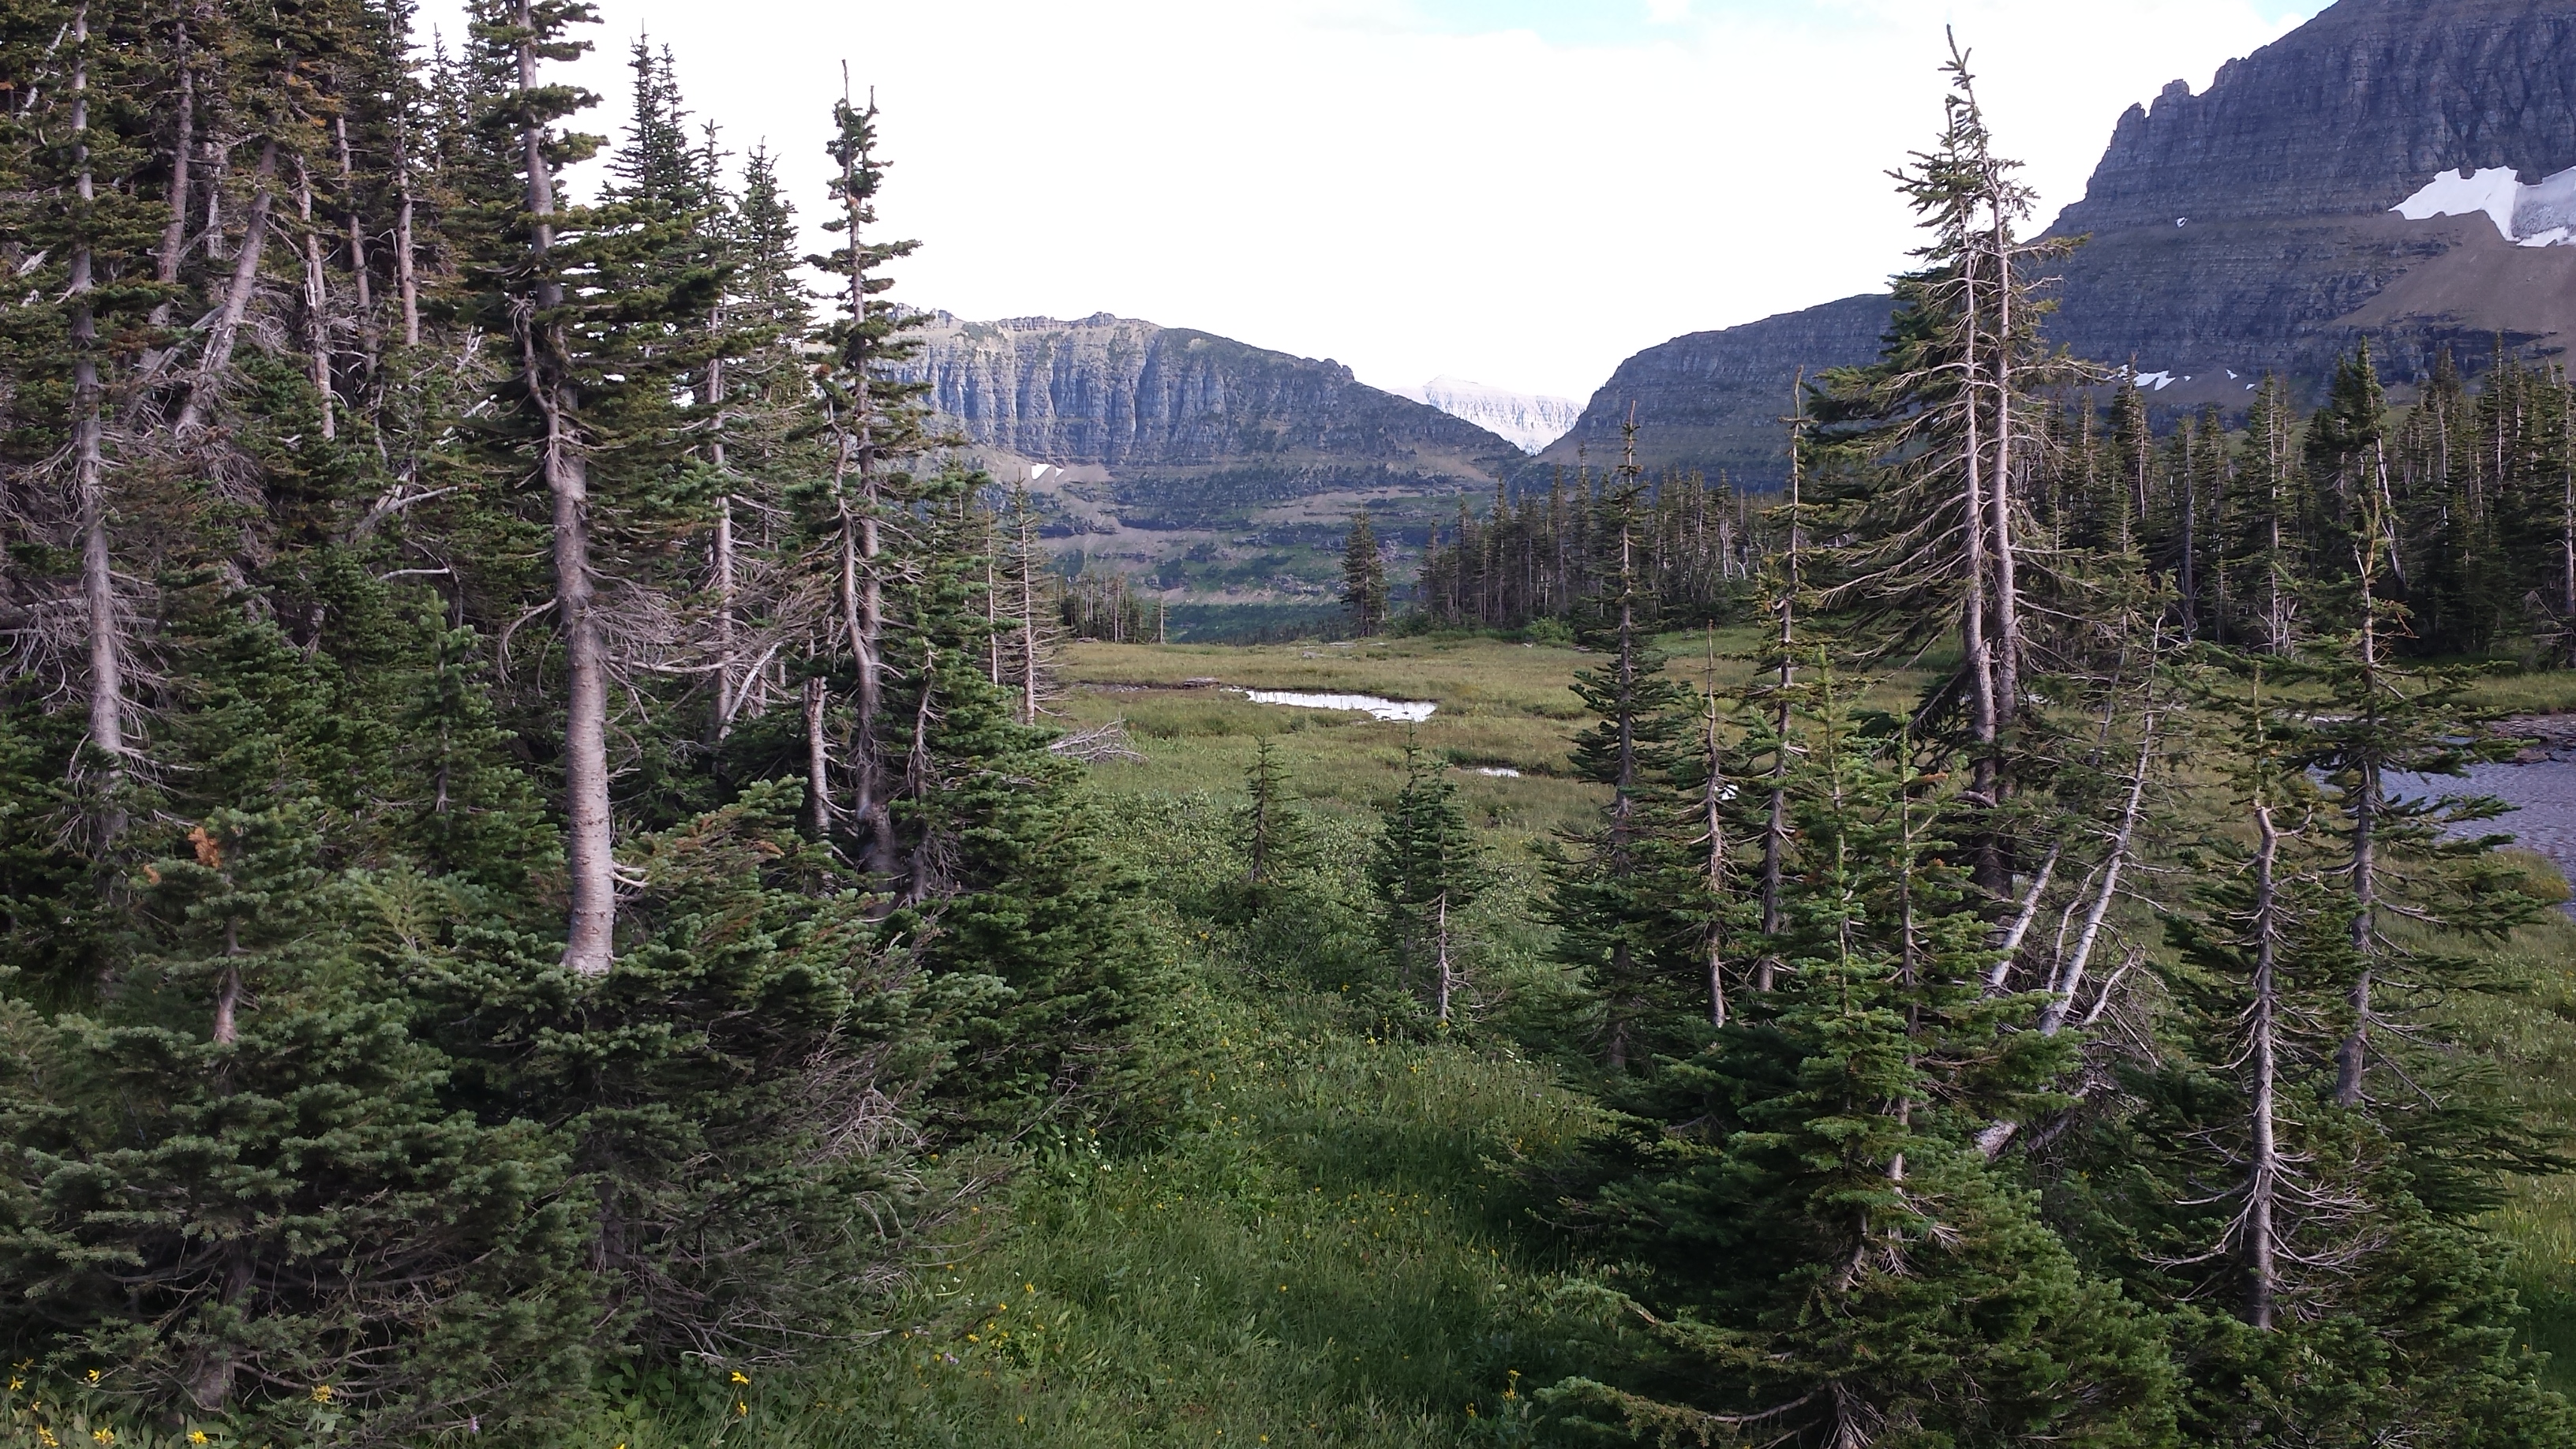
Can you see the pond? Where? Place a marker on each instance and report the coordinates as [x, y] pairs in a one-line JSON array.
[[1400, 711], [2541, 790]]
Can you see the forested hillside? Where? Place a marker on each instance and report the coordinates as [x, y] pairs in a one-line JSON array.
[[560, 884]]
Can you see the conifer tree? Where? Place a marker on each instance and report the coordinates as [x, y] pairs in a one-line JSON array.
[[1943, 536], [1363, 577], [1427, 871], [1623, 903], [1832, 1260]]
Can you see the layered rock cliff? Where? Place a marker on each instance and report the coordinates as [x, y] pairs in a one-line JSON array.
[[1185, 429], [2250, 228]]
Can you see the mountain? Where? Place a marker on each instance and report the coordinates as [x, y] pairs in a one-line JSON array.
[[1221, 470], [1185, 429], [2340, 183], [1529, 420]]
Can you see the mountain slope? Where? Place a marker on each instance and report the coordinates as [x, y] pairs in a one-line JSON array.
[[1188, 429], [2246, 229]]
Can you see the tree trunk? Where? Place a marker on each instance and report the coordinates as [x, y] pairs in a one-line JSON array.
[[406, 279], [317, 301], [2070, 977], [1712, 805], [89, 470], [361, 286], [219, 343], [2263, 1175], [590, 938], [2352, 1057], [1972, 622], [818, 762], [1028, 623], [174, 236]]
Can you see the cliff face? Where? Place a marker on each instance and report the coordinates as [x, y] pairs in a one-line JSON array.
[[2244, 230], [2347, 116], [1189, 428]]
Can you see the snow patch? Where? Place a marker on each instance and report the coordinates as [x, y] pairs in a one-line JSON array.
[[2158, 381], [2542, 215], [1531, 421], [1398, 711]]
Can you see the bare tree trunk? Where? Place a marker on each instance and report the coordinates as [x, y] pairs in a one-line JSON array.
[[2070, 977], [406, 279], [1982, 704], [317, 311], [361, 286], [1999, 975], [89, 470], [174, 236], [1775, 830], [590, 938], [1712, 803], [818, 762], [2263, 1175], [728, 652], [2352, 1056], [2008, 643], [1028, 624], [219, 343], [228, 989], [1442, 940]]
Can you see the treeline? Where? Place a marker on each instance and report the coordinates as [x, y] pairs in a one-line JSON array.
[[527, 841], [2072, 1050], [2475, 491], [1532, 557], [2474, 495]]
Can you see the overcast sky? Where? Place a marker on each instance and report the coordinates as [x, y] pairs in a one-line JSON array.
[[1517, 192]]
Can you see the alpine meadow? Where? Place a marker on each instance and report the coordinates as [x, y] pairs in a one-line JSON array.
[[615, 832]]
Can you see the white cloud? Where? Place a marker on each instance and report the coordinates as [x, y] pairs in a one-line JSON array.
[[1522, 191]]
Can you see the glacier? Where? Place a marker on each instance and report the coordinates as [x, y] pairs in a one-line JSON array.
[[2539, 215], [1529, 421]]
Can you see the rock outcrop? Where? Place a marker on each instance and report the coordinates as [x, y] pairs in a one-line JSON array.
[[1190, 430], [2246, 229]]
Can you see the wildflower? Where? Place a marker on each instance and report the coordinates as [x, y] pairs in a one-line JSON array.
[[103, 1436], [93, 1376], [45, 1438], [740, 1408], [16, 1383], [198, 1436], [321, 1393], [739, 1377]]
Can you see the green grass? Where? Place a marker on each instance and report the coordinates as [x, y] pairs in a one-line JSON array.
[[1325, 1248]]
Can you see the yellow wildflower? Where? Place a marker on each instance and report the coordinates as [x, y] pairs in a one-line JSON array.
[[93, 1376], [45, 1437], [740, 1408], [198, 1436], [321, 1393], [740, 1377], [103, 1436]]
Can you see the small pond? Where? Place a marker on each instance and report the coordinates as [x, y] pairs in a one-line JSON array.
[[1397, 710], [2541, 792]]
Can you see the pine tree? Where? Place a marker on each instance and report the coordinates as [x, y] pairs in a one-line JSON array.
[[1427, 872], [1943, 537], [1623, 903], [1363, 577], [1832, 1261]]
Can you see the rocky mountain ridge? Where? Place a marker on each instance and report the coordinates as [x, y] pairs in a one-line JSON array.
[[2249, 228]]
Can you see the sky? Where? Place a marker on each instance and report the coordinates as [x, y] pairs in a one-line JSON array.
[[1517, 192]]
